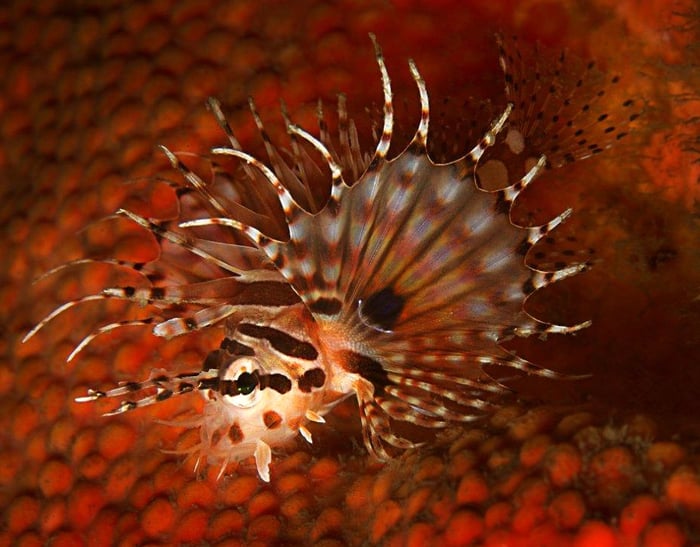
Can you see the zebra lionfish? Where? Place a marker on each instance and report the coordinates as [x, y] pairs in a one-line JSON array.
[[398, 289]]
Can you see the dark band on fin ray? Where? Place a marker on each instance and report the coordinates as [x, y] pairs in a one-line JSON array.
[[368, 368], [163, 395], [326, 306]]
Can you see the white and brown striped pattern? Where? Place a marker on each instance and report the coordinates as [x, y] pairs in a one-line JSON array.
[[399, 290]]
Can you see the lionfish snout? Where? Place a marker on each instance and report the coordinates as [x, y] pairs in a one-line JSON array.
[[400, 290]]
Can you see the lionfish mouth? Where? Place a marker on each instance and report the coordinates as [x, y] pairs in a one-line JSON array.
[[400, 290]]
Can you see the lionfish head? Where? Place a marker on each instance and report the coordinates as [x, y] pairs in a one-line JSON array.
[[256, 395], [400, 289]]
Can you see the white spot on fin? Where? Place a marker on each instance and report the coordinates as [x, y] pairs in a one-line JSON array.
[[515, 141]]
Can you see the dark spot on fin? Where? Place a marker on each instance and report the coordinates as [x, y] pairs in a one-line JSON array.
[[163, 395], [369, 369], [382, 309], [581, 109], [326, 306]]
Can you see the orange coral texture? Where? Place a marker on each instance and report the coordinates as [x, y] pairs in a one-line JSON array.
[[87, 93]]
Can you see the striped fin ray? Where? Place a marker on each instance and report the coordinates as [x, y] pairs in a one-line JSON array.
[[296, 172], [204, 293], [376, 426], [166, 385], [179, 240], [253, 195], [318, 291], [242, 277], [210, 252], [219, 298], [349, 153], [105, 329], [298, 186], [196, 182], [128, 264]]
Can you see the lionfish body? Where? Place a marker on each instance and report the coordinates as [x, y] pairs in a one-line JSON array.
[[398, 290]]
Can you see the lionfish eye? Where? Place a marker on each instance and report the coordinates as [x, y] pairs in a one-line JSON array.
[[246, 383]]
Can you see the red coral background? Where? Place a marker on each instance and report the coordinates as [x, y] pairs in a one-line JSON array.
[[89, 88]]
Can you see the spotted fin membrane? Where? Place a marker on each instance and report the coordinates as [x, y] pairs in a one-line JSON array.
[[399, 289]]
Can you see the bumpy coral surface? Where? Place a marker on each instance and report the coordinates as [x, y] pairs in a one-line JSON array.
[[90, 88]]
